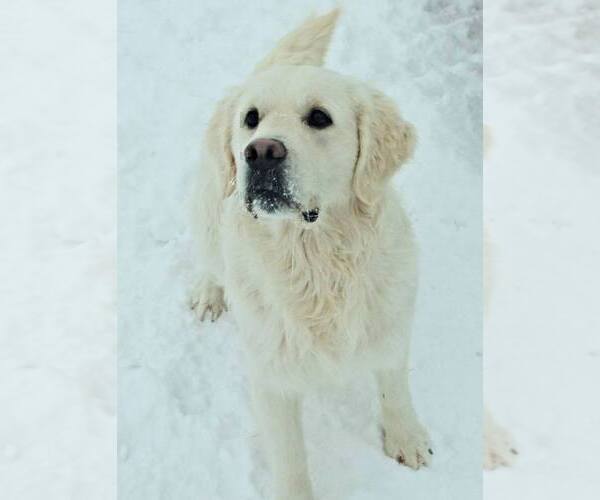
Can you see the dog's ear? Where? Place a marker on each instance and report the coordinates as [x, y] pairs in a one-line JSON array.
[[385, 140], [217, 144], [306, 45]]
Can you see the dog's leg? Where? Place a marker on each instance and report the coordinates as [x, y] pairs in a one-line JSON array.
[[215, 182], [207, 296], [279, 420], [499, 449], [405, 439]]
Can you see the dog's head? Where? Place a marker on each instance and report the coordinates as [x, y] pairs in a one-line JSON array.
[[296, 139]]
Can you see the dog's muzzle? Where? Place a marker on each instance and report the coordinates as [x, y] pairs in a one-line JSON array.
[[267, 186]]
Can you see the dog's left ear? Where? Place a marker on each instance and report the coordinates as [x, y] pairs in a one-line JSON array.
[[306, 45], [386, 141], [217, 150]]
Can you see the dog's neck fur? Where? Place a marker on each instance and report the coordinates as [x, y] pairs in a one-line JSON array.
[[315, 272], [347, 227]]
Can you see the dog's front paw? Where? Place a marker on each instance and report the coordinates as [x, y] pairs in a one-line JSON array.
[[499, 448], [408, 444], [207, 300]]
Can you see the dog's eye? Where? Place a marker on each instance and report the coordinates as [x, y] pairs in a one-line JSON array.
[[251, 120], [317, 118]]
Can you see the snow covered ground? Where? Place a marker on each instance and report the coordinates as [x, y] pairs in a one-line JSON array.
[[57, 250], [542, 187], [185, 430]]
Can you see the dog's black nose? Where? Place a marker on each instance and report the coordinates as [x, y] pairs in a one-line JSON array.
[[265, 152]]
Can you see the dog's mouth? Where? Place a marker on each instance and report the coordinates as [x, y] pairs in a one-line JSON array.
[[269, 202], [310, 216]]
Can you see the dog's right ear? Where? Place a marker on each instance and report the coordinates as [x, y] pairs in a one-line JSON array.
[[217, 143], [306, 45], [386, 141]]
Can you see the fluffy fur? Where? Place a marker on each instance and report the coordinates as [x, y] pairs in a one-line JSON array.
[[499, 449], [316, 303]]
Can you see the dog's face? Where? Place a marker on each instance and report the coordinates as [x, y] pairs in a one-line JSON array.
[[295, 141]]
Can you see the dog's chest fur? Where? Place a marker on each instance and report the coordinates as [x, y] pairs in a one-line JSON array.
[[307, 299]]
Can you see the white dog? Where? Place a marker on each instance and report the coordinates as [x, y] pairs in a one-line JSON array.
[[299, 226], [499, 449]]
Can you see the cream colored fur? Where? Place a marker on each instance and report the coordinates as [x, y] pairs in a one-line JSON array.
[[498, 446], [317, 304]]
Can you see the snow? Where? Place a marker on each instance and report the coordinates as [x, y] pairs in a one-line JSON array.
[[57, 270], [184, 426], [541, 209]]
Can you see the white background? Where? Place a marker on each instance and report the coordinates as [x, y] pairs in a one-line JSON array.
[[57, 245], [57, 264], [542, 187]]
